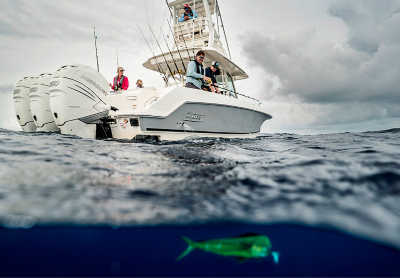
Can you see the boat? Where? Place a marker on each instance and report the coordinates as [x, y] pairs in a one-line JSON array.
[[81, 102]]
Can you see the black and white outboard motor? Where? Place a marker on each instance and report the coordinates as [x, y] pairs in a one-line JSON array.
[[40, 104], [79, 99], [22, 104]]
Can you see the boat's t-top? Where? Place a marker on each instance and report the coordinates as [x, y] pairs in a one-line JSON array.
[[203, 32]]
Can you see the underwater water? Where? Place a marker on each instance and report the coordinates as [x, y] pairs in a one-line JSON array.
[[79, 207]]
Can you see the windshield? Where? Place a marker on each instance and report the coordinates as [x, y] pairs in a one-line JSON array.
[[231, 86]]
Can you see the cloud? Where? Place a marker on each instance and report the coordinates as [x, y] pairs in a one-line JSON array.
[[354, 81], [314, 70], [70, 20], [6, 89]]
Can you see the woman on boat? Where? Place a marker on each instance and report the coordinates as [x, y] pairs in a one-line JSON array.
[[121, 82], [195, 72]]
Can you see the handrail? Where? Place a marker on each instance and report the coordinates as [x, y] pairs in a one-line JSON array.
[[183, 32]]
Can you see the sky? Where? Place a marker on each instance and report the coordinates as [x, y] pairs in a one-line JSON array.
[[317, 66]]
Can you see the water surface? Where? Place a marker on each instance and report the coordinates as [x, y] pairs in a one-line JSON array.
[[348, 182]]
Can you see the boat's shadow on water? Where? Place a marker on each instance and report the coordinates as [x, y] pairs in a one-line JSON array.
[[91, 251]]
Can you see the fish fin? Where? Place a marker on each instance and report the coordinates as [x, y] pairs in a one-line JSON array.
[[241, 259], [248, 234], [275, 255], [192, 245]]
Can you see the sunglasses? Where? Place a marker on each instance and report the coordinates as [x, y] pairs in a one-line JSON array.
[[201, 57], [187, 8]]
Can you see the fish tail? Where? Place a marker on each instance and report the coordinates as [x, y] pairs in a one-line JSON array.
[[192, 245], [275, 255]]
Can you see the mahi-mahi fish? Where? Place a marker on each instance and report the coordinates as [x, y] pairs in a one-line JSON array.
[[242, 247]]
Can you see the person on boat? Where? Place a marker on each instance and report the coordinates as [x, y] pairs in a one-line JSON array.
[[212, 72], [121, 82], [188, 14], [139, 84], [195, 72]]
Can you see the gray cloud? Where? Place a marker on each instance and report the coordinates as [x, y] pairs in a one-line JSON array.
[[332, 83], [315, 70], [73, 20], [370, 23], [6, 89]]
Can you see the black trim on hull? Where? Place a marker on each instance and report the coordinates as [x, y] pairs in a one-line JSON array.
[[211, 132]]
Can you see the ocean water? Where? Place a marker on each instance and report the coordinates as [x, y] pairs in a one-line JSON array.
[[79, 207]]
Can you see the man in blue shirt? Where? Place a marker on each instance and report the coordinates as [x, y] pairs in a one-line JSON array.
[[195, 72], [188, 14]]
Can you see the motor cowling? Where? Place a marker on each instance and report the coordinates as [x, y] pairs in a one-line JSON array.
[[78, 99], [22, 104], [40, 104]]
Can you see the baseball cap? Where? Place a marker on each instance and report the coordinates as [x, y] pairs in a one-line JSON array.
[[186, 6], [215, 64]]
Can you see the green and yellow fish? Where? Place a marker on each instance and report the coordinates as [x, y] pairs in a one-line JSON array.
[[242, 247]]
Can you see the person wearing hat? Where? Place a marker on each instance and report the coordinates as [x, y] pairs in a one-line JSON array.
[[139, 84], [188, 14], [195, 72], [212, 72], [121, 82]]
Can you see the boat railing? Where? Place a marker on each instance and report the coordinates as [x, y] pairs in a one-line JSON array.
[[196, 33]]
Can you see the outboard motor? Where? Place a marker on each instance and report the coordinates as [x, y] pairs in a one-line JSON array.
[[78, 99], [22, 104], [40, 104]]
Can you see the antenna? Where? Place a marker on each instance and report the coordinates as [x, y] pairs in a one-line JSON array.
[[95, 45], [117, 58]]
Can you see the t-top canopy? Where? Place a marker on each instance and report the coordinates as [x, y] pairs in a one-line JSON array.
[[198, 6], [157, 63]]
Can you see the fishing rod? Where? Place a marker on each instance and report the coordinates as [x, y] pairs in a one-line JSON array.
[[173, 35], [180, 29], [117, 58], [95, 45], [170, 71], [158, 64], [172, 56], [224, 89]]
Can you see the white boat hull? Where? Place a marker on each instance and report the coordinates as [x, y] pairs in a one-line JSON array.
[[182, 112]]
